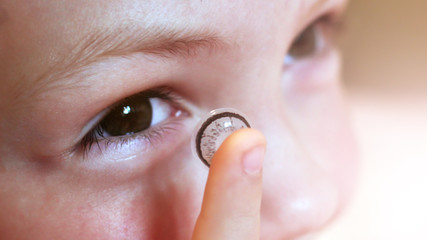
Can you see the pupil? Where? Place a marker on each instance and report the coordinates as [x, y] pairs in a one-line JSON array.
[[134, 114], [305, 44]]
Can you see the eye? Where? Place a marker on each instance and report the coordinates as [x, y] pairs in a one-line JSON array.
[[305, 45], [135, 115]]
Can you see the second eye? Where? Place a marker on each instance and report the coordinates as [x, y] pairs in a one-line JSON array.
[[305, 45]]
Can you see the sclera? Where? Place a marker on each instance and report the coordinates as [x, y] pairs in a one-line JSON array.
[[214, 129]]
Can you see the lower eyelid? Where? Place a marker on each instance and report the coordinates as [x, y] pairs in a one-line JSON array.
[[156, 139]]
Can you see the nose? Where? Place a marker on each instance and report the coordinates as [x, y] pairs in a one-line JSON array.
[[298, 195]]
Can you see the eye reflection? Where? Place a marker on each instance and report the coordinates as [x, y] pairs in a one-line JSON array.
[[127, 110], [304, 46]]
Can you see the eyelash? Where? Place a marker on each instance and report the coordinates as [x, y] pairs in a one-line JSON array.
[[153, 134]]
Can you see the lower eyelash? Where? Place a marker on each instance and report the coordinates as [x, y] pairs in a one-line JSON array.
[[150, 137]]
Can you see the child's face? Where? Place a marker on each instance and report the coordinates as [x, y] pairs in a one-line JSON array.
[[63, 63]]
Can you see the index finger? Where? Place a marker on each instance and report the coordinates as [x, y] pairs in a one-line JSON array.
[[232, 199]]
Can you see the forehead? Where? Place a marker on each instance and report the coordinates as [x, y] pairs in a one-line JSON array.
[[46, 31], [72, 19], [40, 35], [60, 25], [65, 23]]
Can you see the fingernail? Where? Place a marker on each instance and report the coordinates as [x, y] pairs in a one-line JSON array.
[[252, 160]]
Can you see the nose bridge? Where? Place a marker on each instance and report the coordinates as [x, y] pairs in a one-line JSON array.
[[252, 95], [258, 93], [264, 105], [274, 122]]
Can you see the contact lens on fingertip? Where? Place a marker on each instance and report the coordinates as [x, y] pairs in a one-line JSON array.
[[214, 129]]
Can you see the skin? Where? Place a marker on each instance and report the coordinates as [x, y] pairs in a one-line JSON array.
[[54, 85]]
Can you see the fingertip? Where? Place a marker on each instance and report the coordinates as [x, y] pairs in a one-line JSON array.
[[246, 139], [238, 144]]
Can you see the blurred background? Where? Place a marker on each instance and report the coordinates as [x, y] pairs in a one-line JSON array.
[[384, 44]]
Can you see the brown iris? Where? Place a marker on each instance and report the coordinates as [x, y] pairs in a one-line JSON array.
[[305, 44], [132, 115]]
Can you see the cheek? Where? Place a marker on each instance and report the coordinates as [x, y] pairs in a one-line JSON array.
[[168, 207], [163, 203], [62, 203]]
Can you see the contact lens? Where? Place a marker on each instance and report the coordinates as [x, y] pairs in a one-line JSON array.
[[214, 129]]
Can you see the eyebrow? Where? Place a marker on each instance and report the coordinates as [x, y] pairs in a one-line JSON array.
[[123, 41], [165, 43]]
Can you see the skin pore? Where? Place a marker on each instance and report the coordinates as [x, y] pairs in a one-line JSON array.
[[64, 64]]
